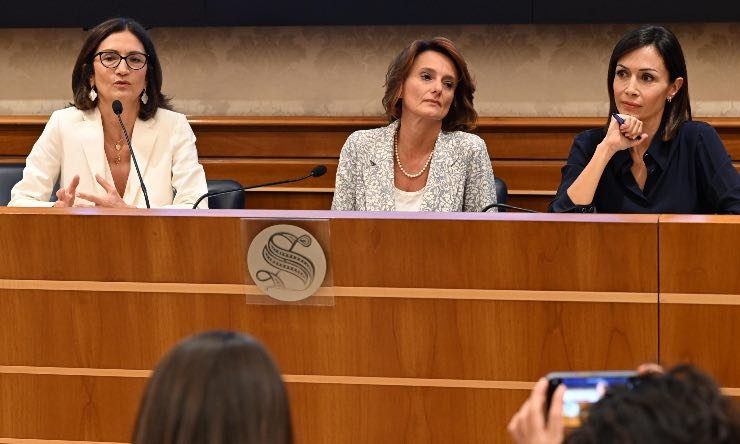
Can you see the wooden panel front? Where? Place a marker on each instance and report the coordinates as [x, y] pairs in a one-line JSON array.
[[255, 172], [62, 244], [68, 408], [425, 303], [81, 408], [700, 293], [700, 254], [511, 252], [359, 336], [702, 334]]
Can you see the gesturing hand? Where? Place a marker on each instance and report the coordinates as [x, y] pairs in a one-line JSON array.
[[66, 195], [528, 425], [111, 198]]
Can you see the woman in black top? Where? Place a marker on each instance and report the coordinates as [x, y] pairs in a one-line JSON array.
[[658, 160]]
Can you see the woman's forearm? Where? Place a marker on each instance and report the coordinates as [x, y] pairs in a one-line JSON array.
[[582, 190]]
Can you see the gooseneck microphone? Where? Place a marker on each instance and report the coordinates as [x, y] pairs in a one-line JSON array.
[[317, 171], [509, 207], [117, 110]]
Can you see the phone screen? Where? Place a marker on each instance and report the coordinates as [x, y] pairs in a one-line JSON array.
[[583, 390]]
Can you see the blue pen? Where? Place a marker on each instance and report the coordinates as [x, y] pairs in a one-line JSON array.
[[621, 122]]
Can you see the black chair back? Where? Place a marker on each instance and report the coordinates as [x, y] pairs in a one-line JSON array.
[[227, 201], [502, 191], [10, 174]]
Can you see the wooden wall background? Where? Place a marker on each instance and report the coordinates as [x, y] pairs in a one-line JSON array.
[[527, 152]]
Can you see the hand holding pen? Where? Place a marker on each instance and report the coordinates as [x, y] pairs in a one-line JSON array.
[[630, 127]]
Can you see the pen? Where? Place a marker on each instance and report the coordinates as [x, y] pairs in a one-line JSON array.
[[621, 122]]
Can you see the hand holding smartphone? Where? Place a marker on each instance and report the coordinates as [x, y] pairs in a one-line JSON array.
[[583, 389]]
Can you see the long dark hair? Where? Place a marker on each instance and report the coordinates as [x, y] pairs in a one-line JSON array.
[[215, 388], [678, 110], [462, 114], [83, 68]]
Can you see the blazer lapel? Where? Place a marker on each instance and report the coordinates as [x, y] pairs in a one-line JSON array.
[[443, 159], [91, 135], [380, 177], [142, 140]]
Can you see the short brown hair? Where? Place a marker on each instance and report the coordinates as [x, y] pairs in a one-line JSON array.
[[83, 68], [215, 387], [462, 114]]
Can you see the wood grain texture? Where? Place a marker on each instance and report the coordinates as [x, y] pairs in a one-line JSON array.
[[403, 414], [504, 252], [80, 409], [705, 335], [74, 408], [412, 338], [700, 255], [107, 247]]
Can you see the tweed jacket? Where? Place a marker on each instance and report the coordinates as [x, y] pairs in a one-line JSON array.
[[460, 174], [72, 144]]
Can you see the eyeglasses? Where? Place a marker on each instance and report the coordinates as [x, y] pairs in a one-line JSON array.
[[110, 59]]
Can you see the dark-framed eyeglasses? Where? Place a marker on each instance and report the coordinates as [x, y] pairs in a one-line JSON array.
[[111, 59]]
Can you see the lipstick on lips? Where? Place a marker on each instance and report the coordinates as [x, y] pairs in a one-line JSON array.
[[630, 106]]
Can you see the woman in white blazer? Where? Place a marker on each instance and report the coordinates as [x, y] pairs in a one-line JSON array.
[[84, 146], [424, 160]]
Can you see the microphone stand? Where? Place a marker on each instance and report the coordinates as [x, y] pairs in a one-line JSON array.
[[510, 207], [316, 172], [117, 110]]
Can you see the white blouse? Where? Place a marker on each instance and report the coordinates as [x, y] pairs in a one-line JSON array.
[[408, 200]]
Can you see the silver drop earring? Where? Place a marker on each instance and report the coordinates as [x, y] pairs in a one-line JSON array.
[[144, 97], [92, 94]]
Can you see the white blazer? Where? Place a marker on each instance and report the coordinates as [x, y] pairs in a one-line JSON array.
[[72, 144]]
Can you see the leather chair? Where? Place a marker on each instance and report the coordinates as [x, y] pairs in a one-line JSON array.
[[233, 200], [10, 174], [502, 191]]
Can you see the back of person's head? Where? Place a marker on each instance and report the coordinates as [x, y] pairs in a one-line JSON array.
[[216, 388], [683, 405], [678, 110]]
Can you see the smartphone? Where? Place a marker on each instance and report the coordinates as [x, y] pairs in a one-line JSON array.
[[583, 390]]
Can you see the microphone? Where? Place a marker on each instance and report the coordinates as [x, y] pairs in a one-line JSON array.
[[510, 207], [117, 110], [317, 171]]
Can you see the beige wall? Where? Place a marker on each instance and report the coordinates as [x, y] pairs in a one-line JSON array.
[[521, 70]]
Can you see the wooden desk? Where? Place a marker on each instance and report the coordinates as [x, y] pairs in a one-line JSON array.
[[700, 294], [440, 326]]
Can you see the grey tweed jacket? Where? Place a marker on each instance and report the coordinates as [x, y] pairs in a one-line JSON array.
[[460, 174]]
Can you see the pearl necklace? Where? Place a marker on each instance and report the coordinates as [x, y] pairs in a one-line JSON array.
[[398, 158]]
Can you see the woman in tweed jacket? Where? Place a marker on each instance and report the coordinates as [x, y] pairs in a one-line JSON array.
[[423, 160]]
